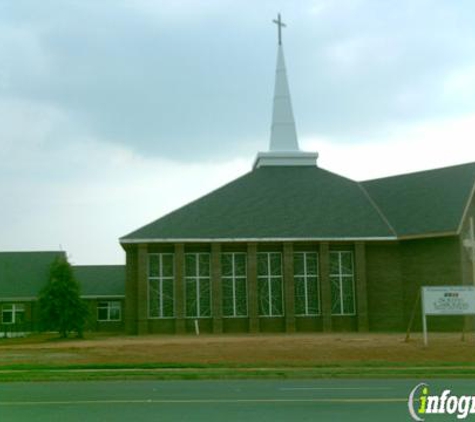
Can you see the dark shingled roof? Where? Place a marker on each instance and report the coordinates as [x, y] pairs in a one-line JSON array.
[[275, 202], [24, 274], [101, 280], [312, 203], [425, 202]]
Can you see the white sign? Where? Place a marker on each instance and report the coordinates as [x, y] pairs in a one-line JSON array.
[[446, 300]]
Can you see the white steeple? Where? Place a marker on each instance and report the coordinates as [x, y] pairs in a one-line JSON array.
[[284, 148], [283, 135]]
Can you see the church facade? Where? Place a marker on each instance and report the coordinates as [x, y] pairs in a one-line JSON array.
[[319, 253], [290, 247]]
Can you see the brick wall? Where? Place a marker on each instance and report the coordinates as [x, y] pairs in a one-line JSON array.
[[130, 311], [384, 287], [430, 262], [393, 273]]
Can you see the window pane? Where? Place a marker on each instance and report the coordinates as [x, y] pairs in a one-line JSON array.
[[205, 298], [234, 305], [335, 292], [190, 265], [102, 314], [240, 264], [276, 264], [115, 314], [263, 285], [312, 298], [312, 264], [347, 263], [226, 264], [204, 264], [276, 291], [154, 293], [299, 296], [153, 265], [334, 263], [191, 303], [298, 263], [227, 286], [115, 305], [241, 297], [262, 264], [167, 289], [161, 272], [7, 316], [167, 262]]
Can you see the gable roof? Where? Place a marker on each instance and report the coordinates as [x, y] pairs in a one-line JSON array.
[[427, 202], [100, 280], [299, 203], [281, 202], [24, 274]]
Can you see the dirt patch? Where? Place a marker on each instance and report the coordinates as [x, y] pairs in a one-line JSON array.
[[266, 350]]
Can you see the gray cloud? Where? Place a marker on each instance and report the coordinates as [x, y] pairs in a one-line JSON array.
[[193, 80], [140, 105]]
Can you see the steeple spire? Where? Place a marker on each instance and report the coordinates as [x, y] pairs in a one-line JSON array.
[[284, 148], [283, 136]]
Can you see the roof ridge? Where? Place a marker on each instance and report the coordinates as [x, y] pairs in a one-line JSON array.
[[377, 208], [411, 173]]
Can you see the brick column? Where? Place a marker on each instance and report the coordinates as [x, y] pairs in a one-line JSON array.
[[361, 292], [216, 290], [289, 287], [325, 287], [179, 288], [252, 296], [142, 290], [131, 274]]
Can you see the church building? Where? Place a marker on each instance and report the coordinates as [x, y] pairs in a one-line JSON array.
[[292, 247], [23, 275]]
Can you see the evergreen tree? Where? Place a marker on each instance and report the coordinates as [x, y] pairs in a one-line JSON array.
[[60, 305]]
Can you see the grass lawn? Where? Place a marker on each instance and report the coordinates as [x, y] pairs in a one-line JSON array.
[[101, 356]]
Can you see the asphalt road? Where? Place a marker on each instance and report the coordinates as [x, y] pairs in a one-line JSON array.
[[224, 400]]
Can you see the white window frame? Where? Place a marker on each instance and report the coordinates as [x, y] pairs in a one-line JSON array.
[[269, 278], [233, 277], [305, 277], [160, 279], [16, 308], [340, 277], [109, 306], [198, 279]]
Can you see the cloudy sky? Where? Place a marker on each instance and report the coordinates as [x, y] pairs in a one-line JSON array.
[[115, 112]]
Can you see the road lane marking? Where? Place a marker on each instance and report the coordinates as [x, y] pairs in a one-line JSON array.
[[198, 401], [335, 388]]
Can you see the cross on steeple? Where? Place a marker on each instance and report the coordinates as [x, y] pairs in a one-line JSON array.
[[279, 24]]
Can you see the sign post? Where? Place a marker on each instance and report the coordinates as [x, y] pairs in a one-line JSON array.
[[469, 243], [424, 322], [446, 300]]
